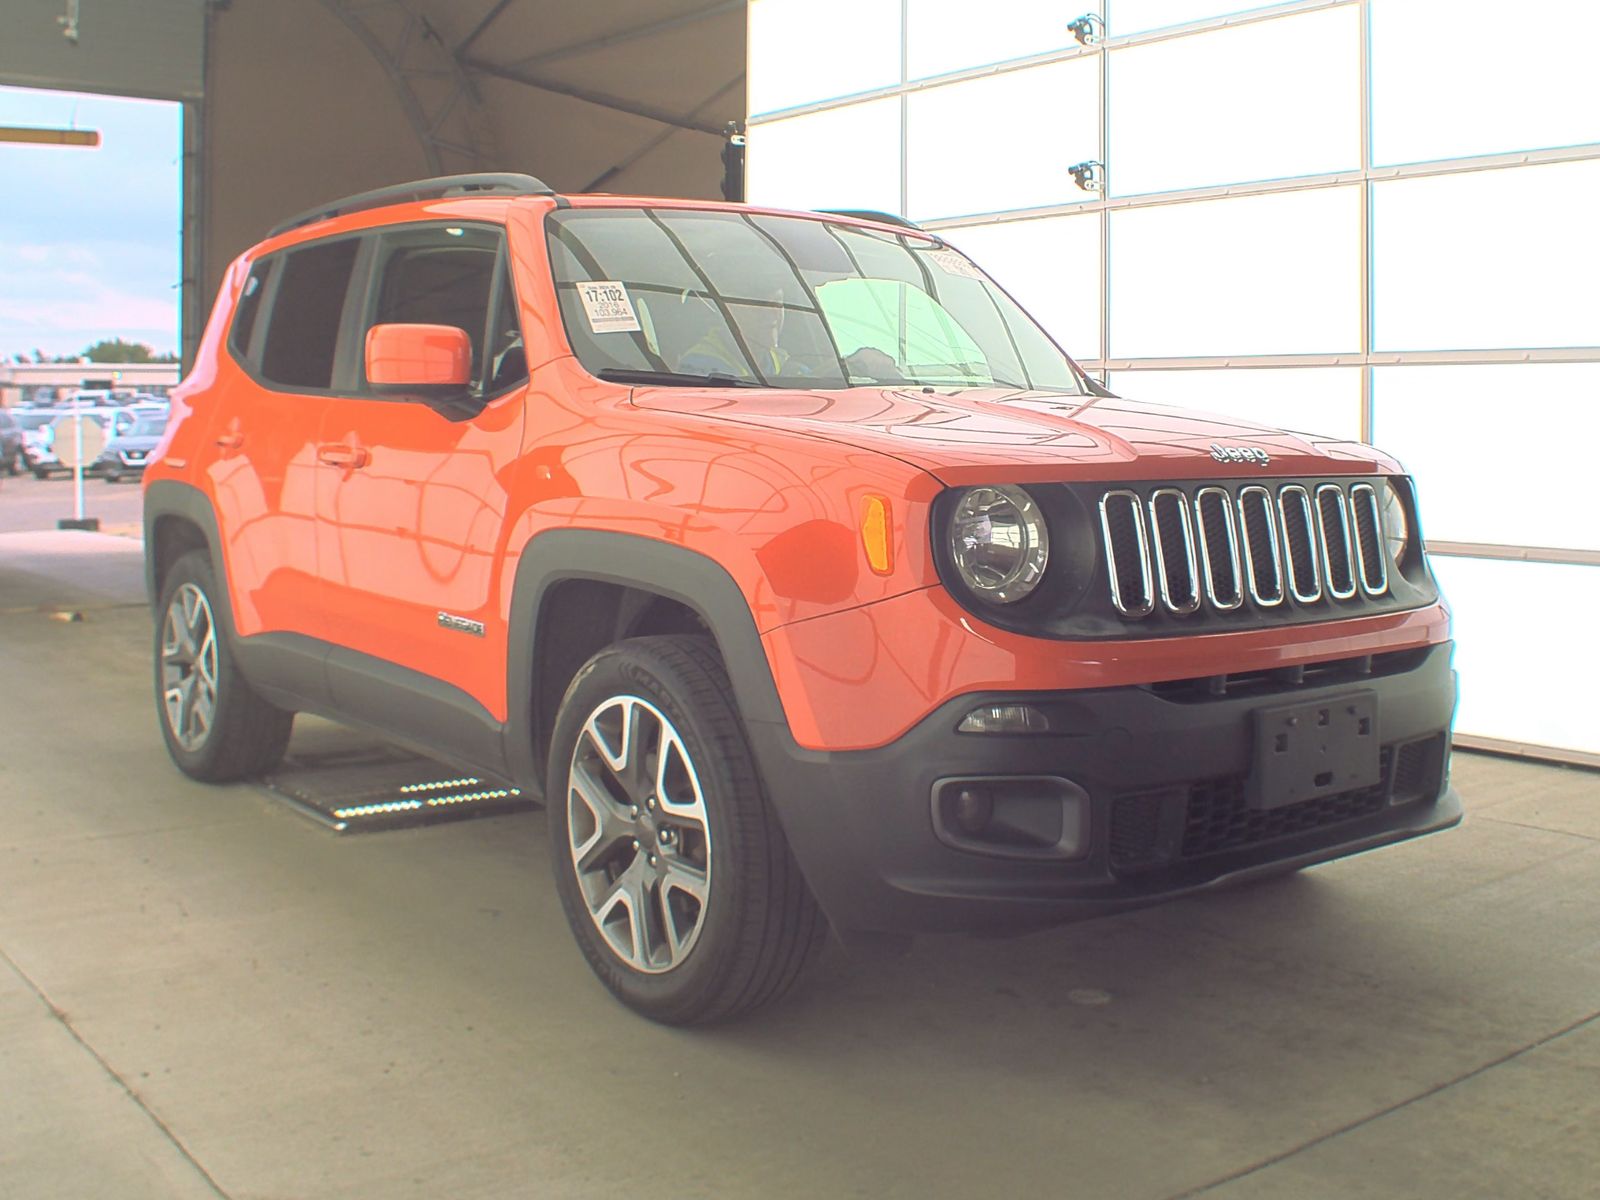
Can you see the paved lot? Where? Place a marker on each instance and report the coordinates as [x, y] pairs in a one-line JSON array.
[[27, 503], [203, 994]]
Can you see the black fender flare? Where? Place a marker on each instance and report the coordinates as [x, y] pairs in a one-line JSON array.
[[647, 564], [168, 498]]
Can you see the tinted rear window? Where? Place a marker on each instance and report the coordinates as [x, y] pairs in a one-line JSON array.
[[303, 327]]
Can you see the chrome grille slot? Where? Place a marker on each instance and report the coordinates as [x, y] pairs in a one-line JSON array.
[[1177, 572], [1372, 557], [1262, 562], [1333, 532], [1127, 553], [1299, 548], [1219, 548]]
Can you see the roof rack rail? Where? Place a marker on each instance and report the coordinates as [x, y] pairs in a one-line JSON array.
[[868, 214], [441, 188]]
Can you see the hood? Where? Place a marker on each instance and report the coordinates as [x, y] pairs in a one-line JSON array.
[[983, 435]]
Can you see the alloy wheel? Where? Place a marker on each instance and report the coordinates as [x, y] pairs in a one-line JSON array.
[[189, 667], [638, 834]]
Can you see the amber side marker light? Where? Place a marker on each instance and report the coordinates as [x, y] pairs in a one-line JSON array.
[[875, 534]]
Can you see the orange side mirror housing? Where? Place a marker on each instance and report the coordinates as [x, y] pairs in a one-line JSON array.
[[418, 356]]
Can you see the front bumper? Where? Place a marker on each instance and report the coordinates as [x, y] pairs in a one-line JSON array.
[[1167, 776]]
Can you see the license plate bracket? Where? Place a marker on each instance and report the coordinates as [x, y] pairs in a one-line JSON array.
[[1309, 750]]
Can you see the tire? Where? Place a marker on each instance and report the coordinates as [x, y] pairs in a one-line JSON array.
[[112, 477], [16, 464], [40, 473], [216, 729], [628, 869]]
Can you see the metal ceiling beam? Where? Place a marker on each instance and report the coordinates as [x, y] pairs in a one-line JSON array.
[[632, 107], [429, 82], [481, 28], [618, 168], [629, 35]]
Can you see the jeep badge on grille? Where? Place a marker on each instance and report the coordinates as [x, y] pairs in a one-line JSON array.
[[1240, 454]]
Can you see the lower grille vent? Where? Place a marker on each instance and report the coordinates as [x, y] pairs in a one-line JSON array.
[[1216, 818]]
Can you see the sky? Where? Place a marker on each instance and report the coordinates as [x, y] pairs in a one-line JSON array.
[[89, 238]]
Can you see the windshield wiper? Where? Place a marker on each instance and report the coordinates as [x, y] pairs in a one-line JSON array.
[[673, 378]]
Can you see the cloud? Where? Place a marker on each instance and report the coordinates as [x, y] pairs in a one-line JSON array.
[[58, 308]]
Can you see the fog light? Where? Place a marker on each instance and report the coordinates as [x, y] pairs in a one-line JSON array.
[[1004, 718], [1013, 816]]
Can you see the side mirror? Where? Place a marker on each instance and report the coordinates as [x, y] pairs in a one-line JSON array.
[[428, 363], [418, 356]]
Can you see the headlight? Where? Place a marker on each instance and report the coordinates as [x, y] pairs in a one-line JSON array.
[[999, 542], [1396, 533]]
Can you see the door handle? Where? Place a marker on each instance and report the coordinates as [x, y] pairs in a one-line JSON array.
[[231, 440], [350, 458]]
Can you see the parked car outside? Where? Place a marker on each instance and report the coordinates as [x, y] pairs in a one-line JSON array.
[[39, 447], [12, 459], [800, 571], [37, 436], [126, 453]]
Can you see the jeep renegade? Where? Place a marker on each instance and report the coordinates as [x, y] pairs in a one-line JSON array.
[[794, 565]]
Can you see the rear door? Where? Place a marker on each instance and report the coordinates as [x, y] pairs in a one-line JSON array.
[[285, 348], [411, 502]]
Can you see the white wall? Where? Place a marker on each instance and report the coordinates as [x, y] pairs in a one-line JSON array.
[[1372, 218]]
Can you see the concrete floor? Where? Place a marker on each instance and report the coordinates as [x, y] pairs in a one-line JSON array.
[[203, 994]]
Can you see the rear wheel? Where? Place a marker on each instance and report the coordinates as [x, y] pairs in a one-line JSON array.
[[216, 728], [674, 874]]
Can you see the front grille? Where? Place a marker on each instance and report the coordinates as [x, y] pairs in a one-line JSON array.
[[1215, 817], [1180, 550]]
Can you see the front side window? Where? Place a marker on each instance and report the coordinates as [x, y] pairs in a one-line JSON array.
[[453, 275], [740, 298]]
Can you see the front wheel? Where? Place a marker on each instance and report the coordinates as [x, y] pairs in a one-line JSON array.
[[216, 728], [672, 870]]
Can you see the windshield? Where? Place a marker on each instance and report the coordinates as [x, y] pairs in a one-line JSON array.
[[36, 420], [669, 295]]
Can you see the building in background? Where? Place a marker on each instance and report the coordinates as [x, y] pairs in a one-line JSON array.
[[1362, 217], [21, 382]]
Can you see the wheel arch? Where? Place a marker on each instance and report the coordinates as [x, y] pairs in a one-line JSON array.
[[577, 591], [177, 519]]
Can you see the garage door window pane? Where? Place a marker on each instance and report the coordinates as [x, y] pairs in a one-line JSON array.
[[1481, 77], [978, 147], [1325, 401], [1189, 112], [1253, 275], [950, 35], [840, 158], [803, 51], [1434, 420], [1488, 259], [1051, 267], [1136, 16], [1523, 679]]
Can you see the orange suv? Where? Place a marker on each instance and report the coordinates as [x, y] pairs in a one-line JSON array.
[[805, 577]]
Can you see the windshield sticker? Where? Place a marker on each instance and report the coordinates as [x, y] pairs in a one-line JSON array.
[[606, 303], [956, 264]]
